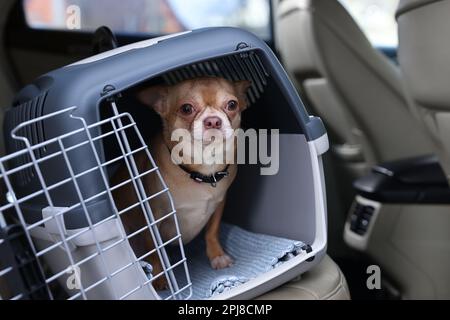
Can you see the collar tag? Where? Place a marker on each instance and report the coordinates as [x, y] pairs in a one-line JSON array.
[[212, 179], [214, 182]]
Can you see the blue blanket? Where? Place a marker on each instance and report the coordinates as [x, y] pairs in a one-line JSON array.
[[253, 254]]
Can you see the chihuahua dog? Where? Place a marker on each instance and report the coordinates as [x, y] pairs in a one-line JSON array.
[[201, 107]]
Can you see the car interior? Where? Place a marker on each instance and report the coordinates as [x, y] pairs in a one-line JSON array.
[[384, 101]]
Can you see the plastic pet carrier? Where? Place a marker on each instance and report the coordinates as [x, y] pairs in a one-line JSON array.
[[69, 131]]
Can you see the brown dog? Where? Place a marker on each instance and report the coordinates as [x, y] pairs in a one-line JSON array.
[[201, 106]]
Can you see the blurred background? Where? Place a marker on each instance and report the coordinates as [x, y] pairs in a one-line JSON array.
[[375, 17]]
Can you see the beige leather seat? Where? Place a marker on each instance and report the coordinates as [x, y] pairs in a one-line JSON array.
[[353, 87], [324, 282], [424, 57]]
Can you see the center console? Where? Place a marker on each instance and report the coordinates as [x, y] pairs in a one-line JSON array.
[[401, 219]]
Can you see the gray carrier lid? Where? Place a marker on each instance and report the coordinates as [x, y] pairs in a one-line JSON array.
[[86, 82]]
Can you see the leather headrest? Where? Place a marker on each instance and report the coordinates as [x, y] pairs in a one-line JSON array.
[[408, 5], [298, 34], [424, 50]]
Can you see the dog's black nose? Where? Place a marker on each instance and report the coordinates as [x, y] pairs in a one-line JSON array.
[[212, 123]]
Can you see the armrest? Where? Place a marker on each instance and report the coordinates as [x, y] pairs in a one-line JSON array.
[[415, 180]]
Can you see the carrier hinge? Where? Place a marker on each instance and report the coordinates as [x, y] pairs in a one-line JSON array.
[[242, 46], [107, 90]]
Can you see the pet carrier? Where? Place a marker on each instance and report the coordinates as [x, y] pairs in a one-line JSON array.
[[69, 131]]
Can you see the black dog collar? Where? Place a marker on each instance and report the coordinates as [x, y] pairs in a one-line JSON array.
[[211, 179], [198, 177]]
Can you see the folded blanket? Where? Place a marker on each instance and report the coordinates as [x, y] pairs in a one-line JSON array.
[[253, 254]]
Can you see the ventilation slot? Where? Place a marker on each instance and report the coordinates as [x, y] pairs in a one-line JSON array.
[[241, 66], [31, 109]]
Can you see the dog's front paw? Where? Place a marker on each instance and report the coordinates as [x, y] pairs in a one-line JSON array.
[[221, 262]]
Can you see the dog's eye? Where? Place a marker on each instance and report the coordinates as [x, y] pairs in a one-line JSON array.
[[232, 105], [187, 109]]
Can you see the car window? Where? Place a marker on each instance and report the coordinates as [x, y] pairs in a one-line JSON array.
[[376, 18], [155, 17]]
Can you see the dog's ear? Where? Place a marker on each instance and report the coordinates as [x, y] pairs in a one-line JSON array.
[[241, 89], [155, 97]]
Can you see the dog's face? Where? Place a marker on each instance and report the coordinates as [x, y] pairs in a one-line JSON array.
[[202, 106]]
